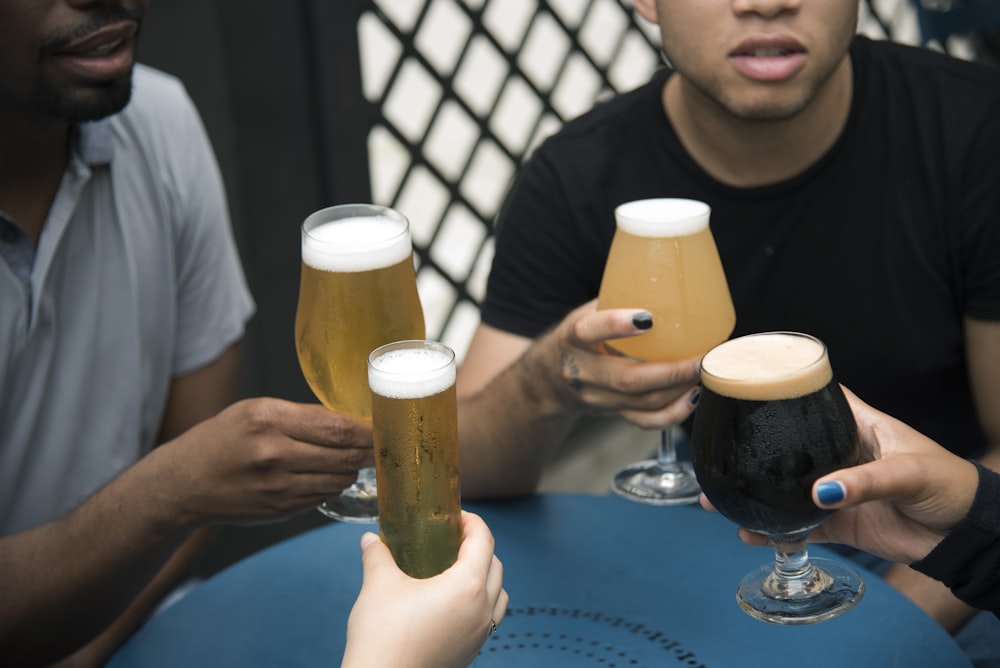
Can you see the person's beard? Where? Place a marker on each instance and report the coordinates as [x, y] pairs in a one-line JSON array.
[[80, 106]]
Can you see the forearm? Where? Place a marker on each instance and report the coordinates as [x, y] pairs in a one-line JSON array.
[[968, 559], [934, 597], [66, 581], [509, 429], [931, 596], [177, 569]]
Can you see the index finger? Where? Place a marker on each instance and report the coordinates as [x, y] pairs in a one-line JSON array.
[[315, 424], [600, 326]]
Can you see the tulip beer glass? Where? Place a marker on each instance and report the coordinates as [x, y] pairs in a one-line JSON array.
[[415, 426], [771, 419], [358, 291], [663, 259]]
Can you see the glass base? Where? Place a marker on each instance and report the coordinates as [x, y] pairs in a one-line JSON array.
[[832, 590], [653, 483], [357, 504]]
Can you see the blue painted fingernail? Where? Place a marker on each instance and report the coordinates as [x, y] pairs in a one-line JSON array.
[[830, 493], [643, 320], [694, 396]]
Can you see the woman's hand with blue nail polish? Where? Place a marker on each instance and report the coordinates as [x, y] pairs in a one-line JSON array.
[[903, 499], [900, 502]]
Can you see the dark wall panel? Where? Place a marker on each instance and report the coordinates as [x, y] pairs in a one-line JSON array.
[[277, 85]]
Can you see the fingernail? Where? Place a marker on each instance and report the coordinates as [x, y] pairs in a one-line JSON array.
[[694, 396], [643, 320], [830, 493], [367, 539]]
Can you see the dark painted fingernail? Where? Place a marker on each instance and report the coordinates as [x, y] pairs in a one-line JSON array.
[[643, 320], [830, 493], [694, 396]]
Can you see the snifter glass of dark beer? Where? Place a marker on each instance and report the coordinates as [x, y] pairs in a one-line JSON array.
[[663, 259], [771, 419], [415, 426], [358, 291]]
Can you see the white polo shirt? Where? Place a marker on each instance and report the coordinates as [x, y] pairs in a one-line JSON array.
[[135, 280]]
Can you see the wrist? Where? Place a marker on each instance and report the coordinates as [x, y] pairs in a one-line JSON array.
[[151, 485]]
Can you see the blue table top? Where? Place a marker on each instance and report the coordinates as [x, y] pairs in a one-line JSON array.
[[593, 581]]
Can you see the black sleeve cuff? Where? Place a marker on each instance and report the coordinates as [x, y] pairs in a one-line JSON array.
[[968, 559]]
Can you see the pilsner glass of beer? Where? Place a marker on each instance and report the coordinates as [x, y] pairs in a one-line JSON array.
[[771, 419], [415, 425], [358, 291], [663, 259]]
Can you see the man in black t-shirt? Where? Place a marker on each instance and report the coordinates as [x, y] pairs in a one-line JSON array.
[[855, 194]]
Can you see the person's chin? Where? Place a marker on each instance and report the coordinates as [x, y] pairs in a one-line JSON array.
[[88, 103]]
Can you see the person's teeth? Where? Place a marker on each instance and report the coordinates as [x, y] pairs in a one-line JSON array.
[[104, 49]]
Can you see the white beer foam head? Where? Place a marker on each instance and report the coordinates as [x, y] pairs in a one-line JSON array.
[[411, 373], [768, 366], [356, 244], [665, 217]]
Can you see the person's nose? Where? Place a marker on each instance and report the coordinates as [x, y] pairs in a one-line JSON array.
[[766, 8]]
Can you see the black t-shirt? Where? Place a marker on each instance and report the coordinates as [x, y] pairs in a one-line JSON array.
[[879, 248]]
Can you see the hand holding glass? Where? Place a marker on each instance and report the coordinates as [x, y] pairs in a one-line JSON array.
[[771, 419], [663, 259], [415, 425], [358, 292]]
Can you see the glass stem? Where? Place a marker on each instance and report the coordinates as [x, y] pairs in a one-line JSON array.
[[791, 559], [666, 456], [794, 576]]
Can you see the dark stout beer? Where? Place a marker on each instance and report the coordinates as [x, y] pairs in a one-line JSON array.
[[771, 419]]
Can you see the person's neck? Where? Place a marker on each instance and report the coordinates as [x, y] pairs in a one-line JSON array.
[[751, 153], [35, 155]]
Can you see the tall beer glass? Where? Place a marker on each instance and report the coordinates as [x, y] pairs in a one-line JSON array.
[[358, 291], [770, 421], [415, 423], [663, 259]]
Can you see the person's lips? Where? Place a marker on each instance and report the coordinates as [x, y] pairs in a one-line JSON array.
[[768, 57], [101, 55]]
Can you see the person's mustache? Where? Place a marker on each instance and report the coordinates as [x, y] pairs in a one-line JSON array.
[[100, 17]]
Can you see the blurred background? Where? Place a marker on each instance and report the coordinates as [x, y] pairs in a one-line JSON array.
[[428, 106]]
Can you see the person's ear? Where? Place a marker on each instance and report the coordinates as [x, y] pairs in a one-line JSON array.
[[646, 9]]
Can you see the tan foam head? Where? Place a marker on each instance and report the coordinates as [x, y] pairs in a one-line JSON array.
[[768, 366]]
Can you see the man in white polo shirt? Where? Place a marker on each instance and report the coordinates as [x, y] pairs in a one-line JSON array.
[[122, 304]]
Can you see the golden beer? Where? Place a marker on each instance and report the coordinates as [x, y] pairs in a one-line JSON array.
[[663, 259], [358, 291], [415, 425]]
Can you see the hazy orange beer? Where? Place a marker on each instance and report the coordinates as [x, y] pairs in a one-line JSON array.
[[663, 259], [415, 427]]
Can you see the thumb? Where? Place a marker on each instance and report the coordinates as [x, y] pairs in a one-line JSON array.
[[879, 479], [375, 554]]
